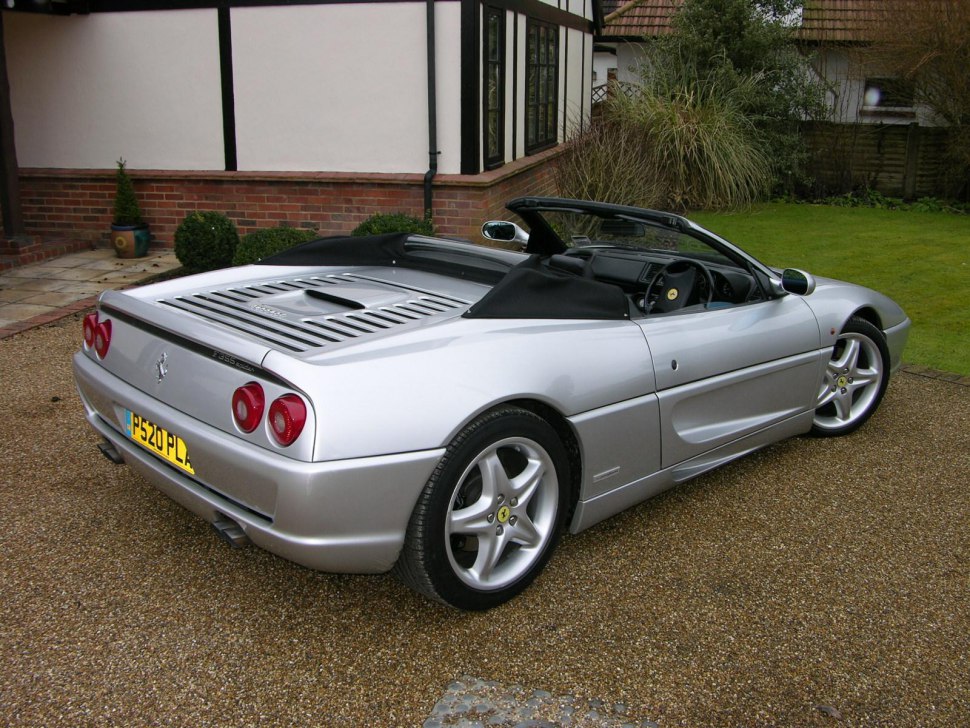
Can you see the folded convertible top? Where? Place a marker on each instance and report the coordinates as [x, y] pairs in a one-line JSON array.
[[530, 289], [533, 290]]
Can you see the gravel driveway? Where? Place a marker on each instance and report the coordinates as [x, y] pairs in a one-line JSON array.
[[816, 583]]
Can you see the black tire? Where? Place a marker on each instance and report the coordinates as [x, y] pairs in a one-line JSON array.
[[855, 380], [471, 544]]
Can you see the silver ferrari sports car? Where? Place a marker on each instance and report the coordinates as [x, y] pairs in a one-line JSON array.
[[446, 410]]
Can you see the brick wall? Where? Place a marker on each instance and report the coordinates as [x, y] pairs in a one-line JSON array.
[[76, 205]]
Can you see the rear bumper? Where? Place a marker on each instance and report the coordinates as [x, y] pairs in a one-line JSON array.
[[342, 516]]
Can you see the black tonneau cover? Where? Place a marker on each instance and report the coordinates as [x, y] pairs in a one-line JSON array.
[[529, 290], [534, 290], [394, 250]]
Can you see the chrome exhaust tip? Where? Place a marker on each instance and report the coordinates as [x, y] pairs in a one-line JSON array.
[[230, 532], [111, 452]]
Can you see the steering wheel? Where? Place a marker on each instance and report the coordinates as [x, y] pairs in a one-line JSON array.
[[679, 280]]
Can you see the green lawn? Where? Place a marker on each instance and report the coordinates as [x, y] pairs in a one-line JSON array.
[[919, 259]]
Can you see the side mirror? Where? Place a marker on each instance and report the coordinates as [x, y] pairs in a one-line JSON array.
[[797, 282], [505, 232]]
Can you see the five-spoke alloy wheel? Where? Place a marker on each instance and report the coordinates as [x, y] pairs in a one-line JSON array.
[[855, 379], [491, 513]]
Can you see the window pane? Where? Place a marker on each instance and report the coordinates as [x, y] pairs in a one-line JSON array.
[[493, 89], [542, 95], [891, 92], [493, 23]]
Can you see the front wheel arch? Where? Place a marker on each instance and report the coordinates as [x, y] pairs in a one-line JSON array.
[[854, 381], [867, 314]]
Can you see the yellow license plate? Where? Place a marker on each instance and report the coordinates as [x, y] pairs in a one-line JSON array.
[[168, 446]]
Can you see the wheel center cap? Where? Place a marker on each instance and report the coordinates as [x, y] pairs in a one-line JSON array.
[[503, 514], [842, 381]]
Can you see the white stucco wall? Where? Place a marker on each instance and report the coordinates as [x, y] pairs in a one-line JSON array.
[[583, 8], [577, 81], [86, 90], [510, 55], [626, 59], [629, 59], [519, 70], [331, 88], [602, 63], [312, 96]]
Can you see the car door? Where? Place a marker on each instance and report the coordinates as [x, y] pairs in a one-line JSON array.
[[726, 373]]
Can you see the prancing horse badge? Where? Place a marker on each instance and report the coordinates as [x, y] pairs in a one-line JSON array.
[[161, 367]]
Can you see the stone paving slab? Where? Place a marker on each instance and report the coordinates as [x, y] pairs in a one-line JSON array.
[[51, 298], [29, 271], [37, 285], [22, 311], [471, 702], [13, 295], [36, 294], [73, 260]]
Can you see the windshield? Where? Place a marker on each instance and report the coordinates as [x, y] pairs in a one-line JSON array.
[[579, 229]]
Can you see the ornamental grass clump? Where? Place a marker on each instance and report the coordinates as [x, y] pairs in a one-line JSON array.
[[206, 241], [608, 161], [717, 111], [704, 150], [668, 146]]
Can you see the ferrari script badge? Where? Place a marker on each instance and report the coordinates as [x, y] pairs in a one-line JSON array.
[[161, 367], [672, 294]]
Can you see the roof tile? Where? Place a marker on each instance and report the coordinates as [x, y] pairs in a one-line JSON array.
[[639, 18], [843, 21], [837, 21]]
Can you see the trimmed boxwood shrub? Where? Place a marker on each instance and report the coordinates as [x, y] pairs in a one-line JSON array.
[[394, 222], [126, 211], [264, 243], [205, 241]]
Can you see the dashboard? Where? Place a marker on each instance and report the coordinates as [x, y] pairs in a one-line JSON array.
[[634, 271]]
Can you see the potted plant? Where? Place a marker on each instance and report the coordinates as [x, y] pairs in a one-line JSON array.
[[129, 234]]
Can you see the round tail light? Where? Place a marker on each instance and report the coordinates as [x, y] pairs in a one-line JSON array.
[[102, 338], [90, 326], [247, 406], [287, 415]]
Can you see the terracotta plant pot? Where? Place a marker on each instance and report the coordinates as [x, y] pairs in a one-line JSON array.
[[130, 241]]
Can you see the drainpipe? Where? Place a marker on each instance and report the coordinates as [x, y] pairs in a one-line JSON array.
[[432, 114]]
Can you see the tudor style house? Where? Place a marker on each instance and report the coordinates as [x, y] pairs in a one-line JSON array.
[[313, 113]]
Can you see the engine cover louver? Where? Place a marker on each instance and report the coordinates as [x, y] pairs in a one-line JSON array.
[[311, 312]]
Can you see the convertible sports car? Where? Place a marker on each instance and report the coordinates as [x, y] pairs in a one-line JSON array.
[[446, 410]]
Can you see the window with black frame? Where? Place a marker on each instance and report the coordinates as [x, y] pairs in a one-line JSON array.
[[889, 96], [493, 104], [542, 85]]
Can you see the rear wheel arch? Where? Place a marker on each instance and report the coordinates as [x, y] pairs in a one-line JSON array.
[[555, 419], [491, 513], [570, 441]]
